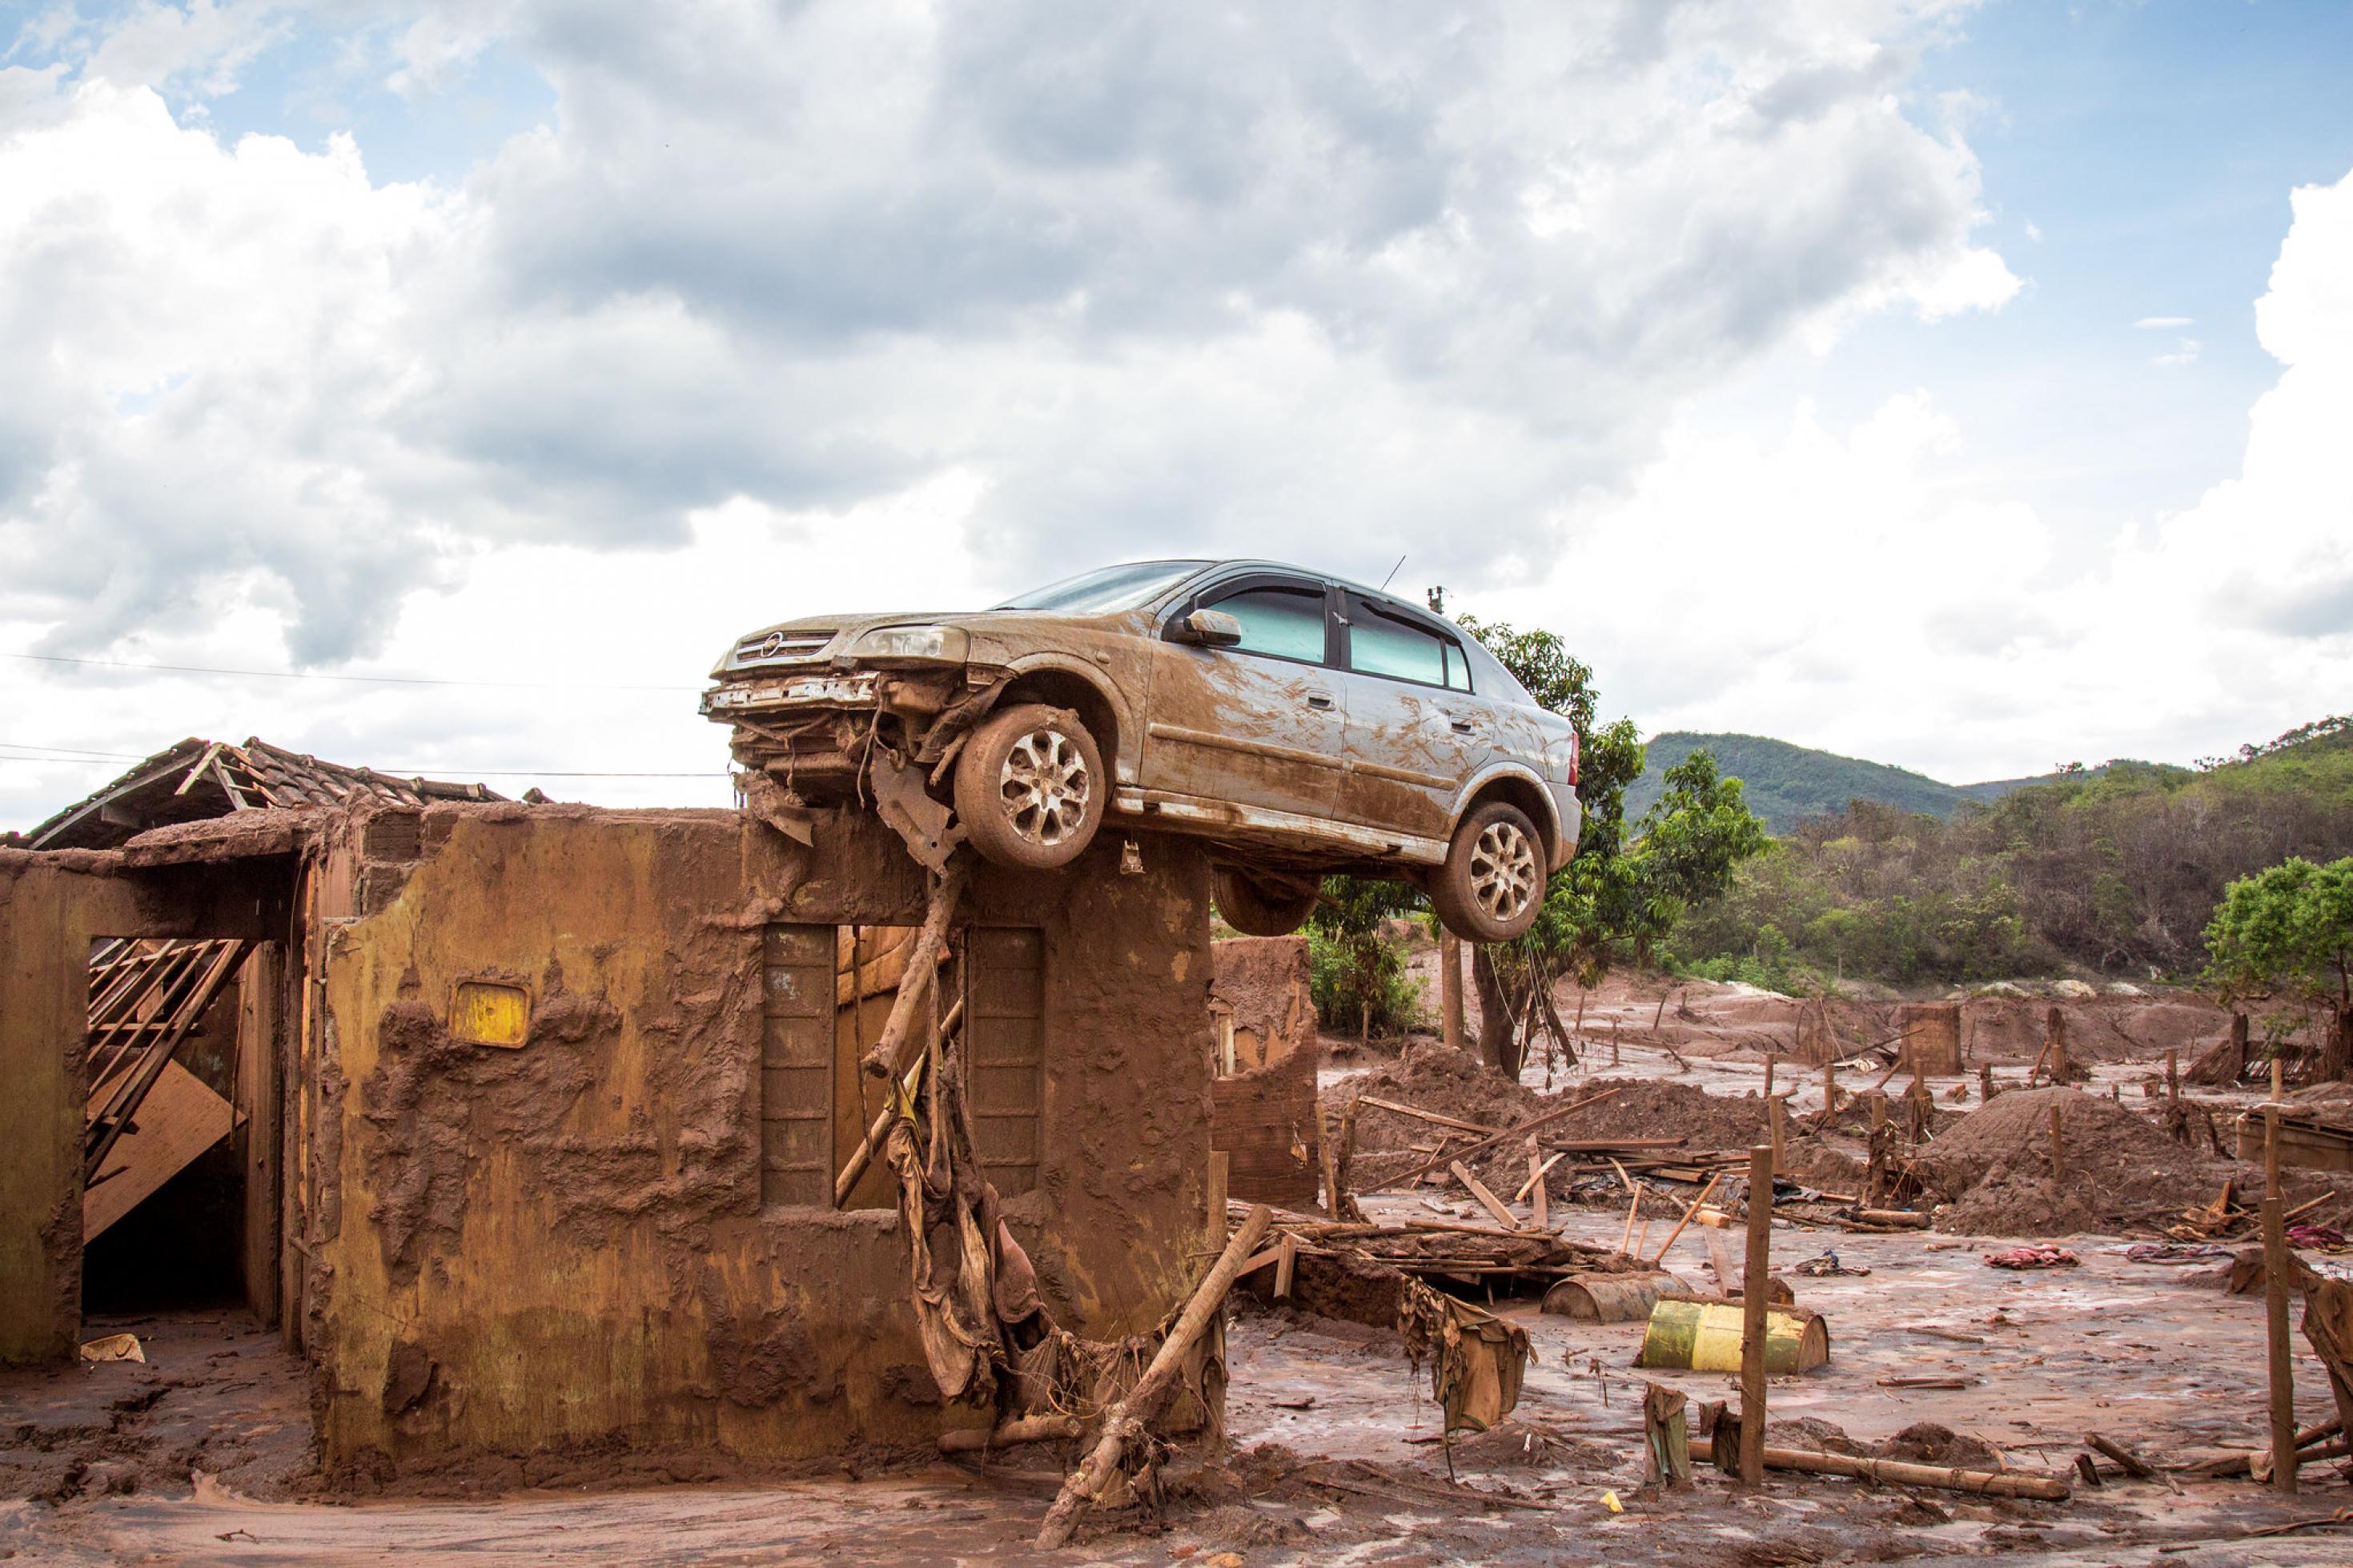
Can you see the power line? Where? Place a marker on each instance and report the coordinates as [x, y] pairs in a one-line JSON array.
[[64, 755], [323, 675]]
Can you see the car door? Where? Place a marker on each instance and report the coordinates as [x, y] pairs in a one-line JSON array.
[[1259, 724], [1416, 732]]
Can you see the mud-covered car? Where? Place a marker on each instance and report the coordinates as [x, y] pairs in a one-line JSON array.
[[1301, 724]]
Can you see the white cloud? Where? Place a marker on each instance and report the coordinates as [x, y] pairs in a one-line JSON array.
[[2162, 323], [1856, 589], [1329, 284], [2184, 352], [820, 254]]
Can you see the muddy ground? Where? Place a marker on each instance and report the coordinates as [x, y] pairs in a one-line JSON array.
[[1334, 1456], [203, 1453]]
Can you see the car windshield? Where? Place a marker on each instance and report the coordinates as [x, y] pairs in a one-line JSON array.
[[1108, 589]]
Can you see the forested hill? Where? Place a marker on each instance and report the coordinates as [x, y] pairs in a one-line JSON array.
[[2118, 872], [1787, 783]]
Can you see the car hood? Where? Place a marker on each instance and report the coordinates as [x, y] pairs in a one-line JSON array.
[[816, 639]]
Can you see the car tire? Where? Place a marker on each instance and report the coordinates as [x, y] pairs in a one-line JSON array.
[[1493, 884], [1258, 909], [1030, 787]]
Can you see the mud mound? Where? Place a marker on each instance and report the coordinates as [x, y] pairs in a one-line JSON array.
[[2122, 1173], [1654, 1107], [1449, 1083]]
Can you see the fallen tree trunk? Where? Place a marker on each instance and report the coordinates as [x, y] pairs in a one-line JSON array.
[[1944, 1477], [1020, 1429], [1123, 1423]]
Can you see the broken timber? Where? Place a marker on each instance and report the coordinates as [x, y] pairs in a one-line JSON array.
[[1123, 1423], [1946, 1477]]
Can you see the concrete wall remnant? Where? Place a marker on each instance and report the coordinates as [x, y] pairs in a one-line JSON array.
[[589, 1235]]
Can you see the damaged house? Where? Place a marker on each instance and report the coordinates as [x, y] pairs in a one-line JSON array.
[[539, 1126]]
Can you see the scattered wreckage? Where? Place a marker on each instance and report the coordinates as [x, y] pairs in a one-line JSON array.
[[1303, 724]]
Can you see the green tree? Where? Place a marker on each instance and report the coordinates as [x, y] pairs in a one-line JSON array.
[[2286, 933], [1618, 899], [1356, 972]]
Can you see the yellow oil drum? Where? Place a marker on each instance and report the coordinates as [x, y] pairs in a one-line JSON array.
[[1705, 1336]]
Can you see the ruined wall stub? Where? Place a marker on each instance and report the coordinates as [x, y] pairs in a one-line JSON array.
[[1263, 1109], [1931, 1035], [563, 1242], [52, 904]]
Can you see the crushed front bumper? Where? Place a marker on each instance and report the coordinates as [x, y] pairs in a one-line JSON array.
[[784, 693]]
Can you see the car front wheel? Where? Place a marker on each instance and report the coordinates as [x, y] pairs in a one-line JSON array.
[[1259, 908], [1029, 788], [1492, 883]]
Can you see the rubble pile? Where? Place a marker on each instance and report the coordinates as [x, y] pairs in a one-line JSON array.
[[2123, 1175]]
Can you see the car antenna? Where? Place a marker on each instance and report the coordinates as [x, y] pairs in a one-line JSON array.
[[1392, 576]]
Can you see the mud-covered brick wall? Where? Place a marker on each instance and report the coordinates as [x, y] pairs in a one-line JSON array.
[[562, 1244]]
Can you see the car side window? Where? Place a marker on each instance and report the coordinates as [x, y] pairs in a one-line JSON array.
[[1286, 623], [1384, 645]]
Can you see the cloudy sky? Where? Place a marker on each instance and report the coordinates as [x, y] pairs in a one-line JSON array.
[[1965, 386]]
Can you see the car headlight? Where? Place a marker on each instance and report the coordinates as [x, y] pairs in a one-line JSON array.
[[929, 644]]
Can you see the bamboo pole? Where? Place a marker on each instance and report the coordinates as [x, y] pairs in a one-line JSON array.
[[879, 1127], [1754, 1292], [1687, 1216], [1124, 1422], [1949, 1478], [922, 971], [2276, 1286], [1626, 1242]]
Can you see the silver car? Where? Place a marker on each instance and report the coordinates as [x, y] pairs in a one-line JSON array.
[[1303, 724]]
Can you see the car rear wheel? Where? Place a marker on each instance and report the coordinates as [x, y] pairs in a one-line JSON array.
[[1259, 908], [1029, 788], [1492, 883]]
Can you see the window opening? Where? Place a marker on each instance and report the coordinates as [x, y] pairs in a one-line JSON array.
[[1284, 623]]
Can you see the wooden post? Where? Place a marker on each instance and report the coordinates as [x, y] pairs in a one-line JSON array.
[[1754, 1294], [2057, 1022], [1333, 1202], [1830, 1086], [1985, 1082], [1213, 1224], [1124, 1422], [2173, 1079], [2276, 1286], [2058, 1147], [1769, 1060], [1450, 988], [1537, 1195]]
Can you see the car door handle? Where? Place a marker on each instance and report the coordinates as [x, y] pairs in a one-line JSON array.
[[1320, 702], [1464, 727]]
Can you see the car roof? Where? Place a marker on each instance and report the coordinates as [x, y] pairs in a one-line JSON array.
[[1379, 594]]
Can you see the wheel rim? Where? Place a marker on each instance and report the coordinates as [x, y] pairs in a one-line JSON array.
[[1503, 876], [1045, 787]]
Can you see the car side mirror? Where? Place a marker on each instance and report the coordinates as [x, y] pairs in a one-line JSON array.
[[1207, 629]]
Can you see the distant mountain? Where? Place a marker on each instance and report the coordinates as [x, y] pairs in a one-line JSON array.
[[1787, 784]]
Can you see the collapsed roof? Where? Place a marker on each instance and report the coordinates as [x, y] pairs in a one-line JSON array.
[[198, 779]]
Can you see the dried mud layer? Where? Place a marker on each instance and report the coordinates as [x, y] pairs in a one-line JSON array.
[[1332, 1457]]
